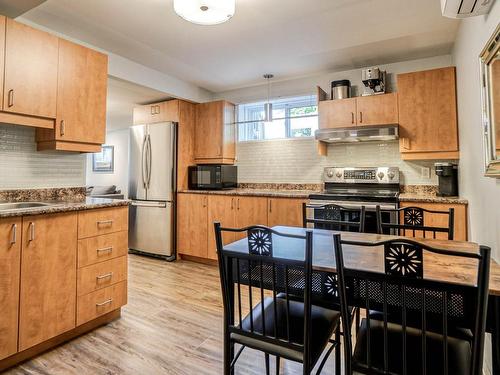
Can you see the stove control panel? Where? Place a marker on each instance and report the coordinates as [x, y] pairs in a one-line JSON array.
[[378, 175]]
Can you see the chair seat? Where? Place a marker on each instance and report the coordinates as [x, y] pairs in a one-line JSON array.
[[459, 350], [323, 324], [433, 323]]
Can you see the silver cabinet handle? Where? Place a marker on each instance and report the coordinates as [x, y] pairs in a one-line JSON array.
[[32, 231], [105, 276], [270, 205], [62, 128], [360, 117], [153, 110], [13, 239], [107, 302], [11, 98], [105, 222], [232, 203], [352, 117], [105, 250], [158, 109], [238, 204]]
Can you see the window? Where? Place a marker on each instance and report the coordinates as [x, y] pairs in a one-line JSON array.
[[292, 118]]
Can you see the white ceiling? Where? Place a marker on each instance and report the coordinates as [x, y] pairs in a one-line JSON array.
[[122, 98], [286, 37]]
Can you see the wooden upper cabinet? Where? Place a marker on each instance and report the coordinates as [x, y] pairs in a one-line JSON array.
[[428, 114], [31, 60], [377, 109], [339, 113], [192, 224], [215, 133], [157, 112], [10, 263], [81, 94], [48, 277]]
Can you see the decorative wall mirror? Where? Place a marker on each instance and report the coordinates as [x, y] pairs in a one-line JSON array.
[[490, 96]]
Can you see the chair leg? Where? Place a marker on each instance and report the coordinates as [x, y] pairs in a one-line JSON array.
[[358, 319], [278, 360], [228, 355], [337, 352], [267, 363]]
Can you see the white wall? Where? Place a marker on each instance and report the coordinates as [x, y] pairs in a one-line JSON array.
[[120, 140], [483, 193], [296, 161], [22, 167]]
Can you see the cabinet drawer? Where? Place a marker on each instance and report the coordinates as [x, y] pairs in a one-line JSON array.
[[101, 248], [100, 302], [102, 221], [101, 275]]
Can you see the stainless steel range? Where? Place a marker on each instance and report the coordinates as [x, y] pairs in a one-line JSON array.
[[356, 187]]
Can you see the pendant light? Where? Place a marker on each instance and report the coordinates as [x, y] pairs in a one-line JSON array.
[[205, 12], [268, 107]]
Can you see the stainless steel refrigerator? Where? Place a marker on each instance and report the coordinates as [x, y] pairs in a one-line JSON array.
[[152, 176]]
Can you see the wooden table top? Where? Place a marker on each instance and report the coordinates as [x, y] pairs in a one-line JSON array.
[[437, 267]]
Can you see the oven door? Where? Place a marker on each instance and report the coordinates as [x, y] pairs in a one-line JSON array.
[[370, 208]]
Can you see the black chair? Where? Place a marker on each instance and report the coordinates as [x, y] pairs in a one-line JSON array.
[[386, 347], [286, 328], [414, 222], [334, 217]]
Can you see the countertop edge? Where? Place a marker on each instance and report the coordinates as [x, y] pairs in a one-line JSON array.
[[305, 194], [65, 207]]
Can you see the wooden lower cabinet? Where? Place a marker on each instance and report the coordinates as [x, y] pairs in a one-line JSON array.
[[438, 220], [48, 277], [101, 275], [192, 224], [101, 248], [100, 302], [102, 221], [10, 262], [250, 211], [285, 211], [221, 208], [196, 214]]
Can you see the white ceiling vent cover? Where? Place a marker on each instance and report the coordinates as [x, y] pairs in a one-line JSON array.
[[465, 8]]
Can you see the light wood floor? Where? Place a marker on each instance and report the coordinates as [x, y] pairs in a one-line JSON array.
[[171, 325]]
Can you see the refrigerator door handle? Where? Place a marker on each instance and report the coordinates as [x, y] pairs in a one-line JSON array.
[[149, 158], [148, 204], [144, 144]]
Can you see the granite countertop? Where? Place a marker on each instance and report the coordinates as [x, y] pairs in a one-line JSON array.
[[56, 206], [256, 192], [430, 198]]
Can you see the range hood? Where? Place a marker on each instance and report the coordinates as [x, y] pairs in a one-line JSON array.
[[358, 134]]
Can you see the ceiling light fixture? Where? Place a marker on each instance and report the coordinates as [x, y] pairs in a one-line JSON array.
[[205, 12], [268, 107]]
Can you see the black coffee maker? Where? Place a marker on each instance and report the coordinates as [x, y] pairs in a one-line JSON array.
[[448, 179]]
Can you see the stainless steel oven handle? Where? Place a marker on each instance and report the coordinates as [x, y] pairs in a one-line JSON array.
[[351, 204]]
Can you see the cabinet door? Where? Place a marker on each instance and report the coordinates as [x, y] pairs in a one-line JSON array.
[[10, 262], [192, 224], [428, 111], [81, 94], [157, 112], [48, 277], [209, 131], [30, 85], [337, 113], [250, 211], [438, 220], [222, 209], [285, 211], [377, 109]]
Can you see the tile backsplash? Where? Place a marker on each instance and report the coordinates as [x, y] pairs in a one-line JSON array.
[[297, 161], [21, 166]]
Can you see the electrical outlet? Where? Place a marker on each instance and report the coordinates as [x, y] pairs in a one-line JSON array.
[[425, 172]]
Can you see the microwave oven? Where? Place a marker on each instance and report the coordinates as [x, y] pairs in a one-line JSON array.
[[213, 177]]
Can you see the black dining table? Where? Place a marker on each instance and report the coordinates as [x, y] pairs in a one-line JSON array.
[[436, 267]]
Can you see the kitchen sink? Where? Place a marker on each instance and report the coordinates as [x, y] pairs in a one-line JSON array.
[[22, 205]]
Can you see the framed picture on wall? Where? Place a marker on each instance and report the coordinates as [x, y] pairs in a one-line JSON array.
[[104, 161]]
